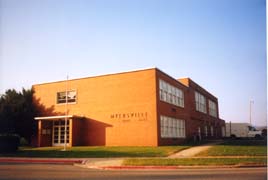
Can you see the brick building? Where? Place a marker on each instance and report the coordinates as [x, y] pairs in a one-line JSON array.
[[138, 108]]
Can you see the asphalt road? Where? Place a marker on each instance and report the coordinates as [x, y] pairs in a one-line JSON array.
[[13, 171]]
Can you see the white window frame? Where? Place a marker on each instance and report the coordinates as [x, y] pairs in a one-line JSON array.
[[212, 108], [170, 94], [172, 127], [211, 131], [70, 100], [200, 102], [206, 131]]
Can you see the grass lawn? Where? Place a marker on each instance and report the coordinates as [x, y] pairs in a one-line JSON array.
[[95, 151], [238, 148], [194, 161]]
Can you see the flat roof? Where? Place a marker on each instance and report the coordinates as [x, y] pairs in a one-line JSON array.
[[131, 71], [109, 74], [191, 81]]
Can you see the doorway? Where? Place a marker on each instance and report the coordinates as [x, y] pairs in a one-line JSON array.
[[58, 133]]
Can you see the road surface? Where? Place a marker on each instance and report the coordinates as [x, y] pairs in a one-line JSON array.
[[13, 171]]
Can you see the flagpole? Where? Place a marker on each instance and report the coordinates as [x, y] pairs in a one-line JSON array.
[[66, 114], [250, 110]]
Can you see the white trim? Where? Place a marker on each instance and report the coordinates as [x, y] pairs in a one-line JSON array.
[[99, 75], [53, 117], [59, 143]]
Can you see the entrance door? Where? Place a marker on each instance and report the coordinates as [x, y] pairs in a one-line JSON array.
[[58, 133]]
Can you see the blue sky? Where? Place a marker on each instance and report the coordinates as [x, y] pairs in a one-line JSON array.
[[220, 44]]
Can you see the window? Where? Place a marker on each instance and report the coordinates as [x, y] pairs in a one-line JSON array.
[[199, 132], [200, 102], [212, 108], [211, 129], [46, 131], [206, 131], [250, 128], [172, 127], [170, 94], [61, 97]]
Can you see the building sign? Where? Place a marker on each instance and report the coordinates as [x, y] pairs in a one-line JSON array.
[[141, 116]]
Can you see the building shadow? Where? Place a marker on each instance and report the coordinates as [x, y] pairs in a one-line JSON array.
[[85, 131], [40, 110], [89, 132]]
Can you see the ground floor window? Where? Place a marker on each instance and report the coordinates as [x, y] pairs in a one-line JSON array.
[[206, 131], [212, 130], [172, 127]]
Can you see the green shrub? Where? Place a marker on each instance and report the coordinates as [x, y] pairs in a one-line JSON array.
[[9, 142], [23, 142]]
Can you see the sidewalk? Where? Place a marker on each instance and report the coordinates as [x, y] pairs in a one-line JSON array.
[[101, 163], [107, 163], [193, 151], [117, 163], [42, 160]]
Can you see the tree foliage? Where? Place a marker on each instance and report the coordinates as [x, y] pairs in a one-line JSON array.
[[17, 112]]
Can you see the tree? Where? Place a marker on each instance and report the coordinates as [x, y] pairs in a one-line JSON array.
[[17, 113]]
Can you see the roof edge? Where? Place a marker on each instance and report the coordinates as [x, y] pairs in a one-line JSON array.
[[101, 75]]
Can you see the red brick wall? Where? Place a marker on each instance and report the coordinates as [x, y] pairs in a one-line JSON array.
[[119, 109], [166, 109], [46, 139], [78, 132], [200, 119], [124, 109]]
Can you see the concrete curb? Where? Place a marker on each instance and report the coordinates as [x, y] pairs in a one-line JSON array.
[[165, 167], [40, 160], [161, 167], [84, 164]]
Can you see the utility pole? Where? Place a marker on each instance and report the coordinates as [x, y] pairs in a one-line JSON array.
[[230, 128], [250, 110], [66, 114]]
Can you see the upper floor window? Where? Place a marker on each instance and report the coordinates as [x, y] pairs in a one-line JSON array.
[[200, 102], [212, 108], [170, 94], [61, 97]]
